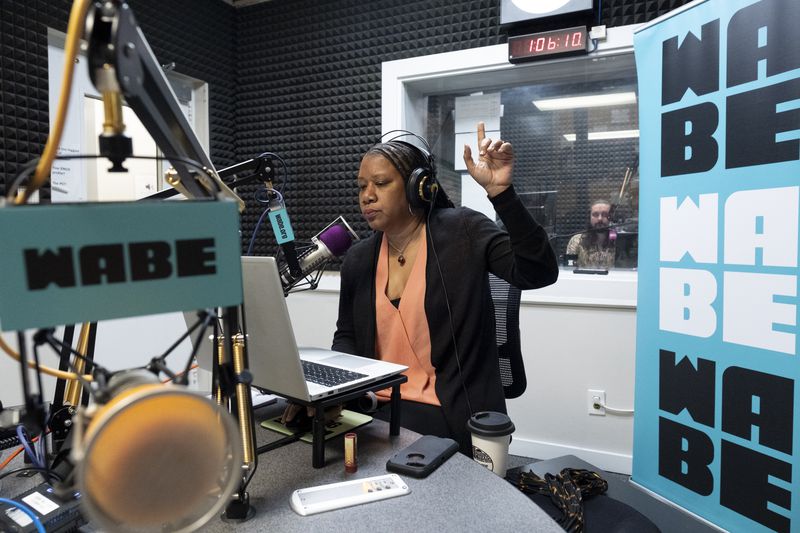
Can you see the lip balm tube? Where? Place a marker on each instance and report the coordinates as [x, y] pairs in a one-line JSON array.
[[350, 453]]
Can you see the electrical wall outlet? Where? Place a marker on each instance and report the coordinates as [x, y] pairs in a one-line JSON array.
[[596, 401]]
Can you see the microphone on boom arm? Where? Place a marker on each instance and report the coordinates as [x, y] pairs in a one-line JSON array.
[[333, 241]]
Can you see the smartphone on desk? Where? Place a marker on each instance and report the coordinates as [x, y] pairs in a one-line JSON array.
[[422, 457]]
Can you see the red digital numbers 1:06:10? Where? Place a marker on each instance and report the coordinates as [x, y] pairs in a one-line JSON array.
[[547, 44], [553, 43]]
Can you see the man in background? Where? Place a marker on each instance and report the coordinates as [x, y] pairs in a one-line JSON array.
[[595, 248]]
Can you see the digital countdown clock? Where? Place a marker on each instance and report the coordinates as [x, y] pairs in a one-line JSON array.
[[549, 43]]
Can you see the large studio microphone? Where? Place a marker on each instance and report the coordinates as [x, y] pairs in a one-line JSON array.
[[153, 457], [333, 241]]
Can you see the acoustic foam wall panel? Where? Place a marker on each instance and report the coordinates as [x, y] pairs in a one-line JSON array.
[[309, 75], [23, 84], [299, 78], [199, 36], [309, 80]]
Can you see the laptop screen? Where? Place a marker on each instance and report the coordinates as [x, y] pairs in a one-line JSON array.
[[273, 358]]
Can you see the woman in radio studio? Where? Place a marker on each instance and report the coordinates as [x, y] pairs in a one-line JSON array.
[[417, 292]]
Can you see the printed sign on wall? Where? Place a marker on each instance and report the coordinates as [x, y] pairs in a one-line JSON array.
[[717, 368]]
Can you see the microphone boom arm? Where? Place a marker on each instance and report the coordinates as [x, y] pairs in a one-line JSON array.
[[259, 169], [121, 63]]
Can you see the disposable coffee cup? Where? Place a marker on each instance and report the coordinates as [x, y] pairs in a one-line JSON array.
[[491, 435]]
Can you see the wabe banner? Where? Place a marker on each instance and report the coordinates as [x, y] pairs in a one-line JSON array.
[[717, 369]]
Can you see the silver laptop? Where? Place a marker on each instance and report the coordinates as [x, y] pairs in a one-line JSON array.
[[275, 361]]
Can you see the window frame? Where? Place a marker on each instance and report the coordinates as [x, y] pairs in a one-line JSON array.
[[404, 102]]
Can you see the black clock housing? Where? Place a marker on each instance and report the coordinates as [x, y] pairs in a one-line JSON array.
[[547, 44]]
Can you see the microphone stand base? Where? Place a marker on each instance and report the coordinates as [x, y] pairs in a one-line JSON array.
[[239, 510]]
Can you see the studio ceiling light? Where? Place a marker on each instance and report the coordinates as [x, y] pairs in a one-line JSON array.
[[598, 135], [577, 102]]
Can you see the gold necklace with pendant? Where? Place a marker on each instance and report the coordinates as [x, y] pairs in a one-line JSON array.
[[401, 251]]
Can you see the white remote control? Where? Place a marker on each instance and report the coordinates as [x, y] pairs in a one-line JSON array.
[[337, 495]]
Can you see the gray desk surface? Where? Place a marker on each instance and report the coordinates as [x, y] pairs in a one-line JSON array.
[[460, 495]]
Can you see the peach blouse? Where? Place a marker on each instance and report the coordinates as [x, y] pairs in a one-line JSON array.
[[402, 335]]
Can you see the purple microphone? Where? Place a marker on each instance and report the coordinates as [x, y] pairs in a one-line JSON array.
[[336, 238], [331, 242]]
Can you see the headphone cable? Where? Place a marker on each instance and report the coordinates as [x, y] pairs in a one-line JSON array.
[[447, 303]]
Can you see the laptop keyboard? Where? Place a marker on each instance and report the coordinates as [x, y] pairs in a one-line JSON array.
[[328, 376]]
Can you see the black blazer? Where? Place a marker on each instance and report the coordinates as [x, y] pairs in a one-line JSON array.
[[467, 245]]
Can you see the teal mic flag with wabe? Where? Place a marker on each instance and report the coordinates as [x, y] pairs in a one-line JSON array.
[[72, 263]]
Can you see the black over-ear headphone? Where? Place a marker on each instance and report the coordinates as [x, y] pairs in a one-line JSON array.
[[421, 187]]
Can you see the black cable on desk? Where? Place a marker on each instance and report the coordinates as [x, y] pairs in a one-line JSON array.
[[44, 471]]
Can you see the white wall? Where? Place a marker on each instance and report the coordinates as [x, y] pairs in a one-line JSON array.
[[120, 344], [10, 375], [568, 350]]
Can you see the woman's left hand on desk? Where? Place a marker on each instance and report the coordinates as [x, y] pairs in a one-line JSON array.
[[296, 415]]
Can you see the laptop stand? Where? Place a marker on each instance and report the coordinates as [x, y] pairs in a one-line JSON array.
[[318, 422]]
